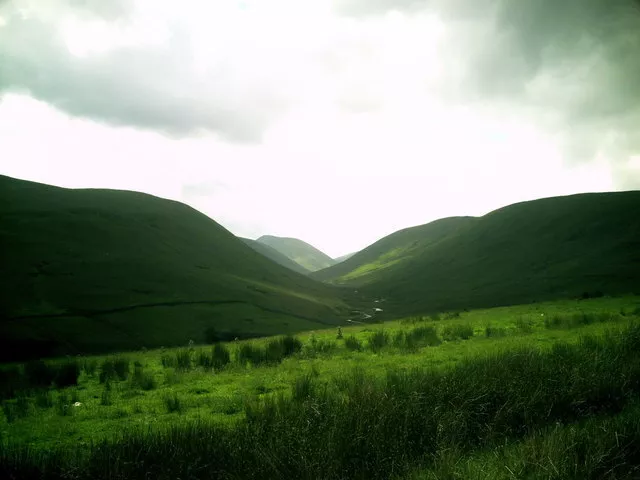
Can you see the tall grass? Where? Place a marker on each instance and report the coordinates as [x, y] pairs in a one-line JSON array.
[[415, 338], [279, 348], [37, 375], [183, 359], [114, 368], [141, 379], [353, 343], [250, 353], [603, 447], [44, 399], [495, 332], [64, 404], [361, 426], [220, 356], [378, 340], [319, 347], [106, 397], [578, 319], [457, 332], [172, 403], [217, 358], [90, 366]]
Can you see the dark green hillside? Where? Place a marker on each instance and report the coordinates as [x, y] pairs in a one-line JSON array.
[[391, 252], [543, 249], [300, 252], [98, 270], [275, 255]]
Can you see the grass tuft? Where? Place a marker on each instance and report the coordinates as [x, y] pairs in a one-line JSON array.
[[141, 379], [457, 332], [352, 343], [115, 368], [172, 403], [378, 340], [220, 355]]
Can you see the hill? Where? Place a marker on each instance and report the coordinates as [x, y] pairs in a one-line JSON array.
[[543, 249], [390, 252], [300, 252], [100, 270], [344, 257], [275, 255]]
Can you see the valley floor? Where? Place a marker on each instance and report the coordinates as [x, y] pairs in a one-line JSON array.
[[547, 390]]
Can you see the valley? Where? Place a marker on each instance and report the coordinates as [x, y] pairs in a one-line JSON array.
[[141, 338]]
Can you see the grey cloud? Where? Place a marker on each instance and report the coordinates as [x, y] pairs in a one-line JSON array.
[[145, 87], [576, 61]]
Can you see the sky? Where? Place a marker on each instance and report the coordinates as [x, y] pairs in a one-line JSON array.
[[337, 122]]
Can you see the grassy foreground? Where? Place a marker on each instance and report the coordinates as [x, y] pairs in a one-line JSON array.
[[539, 391]]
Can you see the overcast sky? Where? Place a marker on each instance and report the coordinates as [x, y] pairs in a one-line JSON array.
[[334, 122]]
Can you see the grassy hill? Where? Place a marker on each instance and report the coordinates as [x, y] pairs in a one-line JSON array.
[[544, 249], [300, 252], [392, 251], [98, 270], [275, 255]]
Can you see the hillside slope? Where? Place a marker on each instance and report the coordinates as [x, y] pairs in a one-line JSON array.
[[390, 252], [300, 252], [344, 257], [98, 270], [275, 255], [531, 251]]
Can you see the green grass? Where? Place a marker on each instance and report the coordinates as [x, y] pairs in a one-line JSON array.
[[579, 246], [602, 447], [283, 416], [95, 271]]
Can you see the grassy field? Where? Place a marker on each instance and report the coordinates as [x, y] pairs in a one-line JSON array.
[[546, 390], [528, 252]]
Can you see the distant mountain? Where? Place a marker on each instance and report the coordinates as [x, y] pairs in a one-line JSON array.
[[543, 249], [300, 252], [272, 254], [344, 257], [102, 270]]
